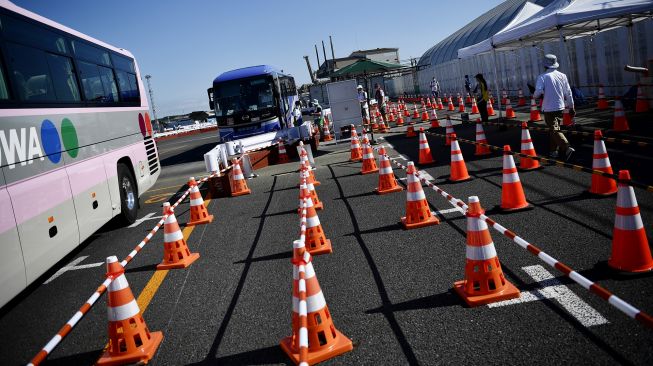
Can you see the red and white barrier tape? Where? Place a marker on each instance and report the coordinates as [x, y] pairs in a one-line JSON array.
[[592, 287]]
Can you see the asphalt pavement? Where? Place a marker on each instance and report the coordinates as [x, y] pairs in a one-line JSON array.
[[388, 289]]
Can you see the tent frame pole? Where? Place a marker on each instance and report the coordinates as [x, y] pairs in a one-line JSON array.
[[496, 81]]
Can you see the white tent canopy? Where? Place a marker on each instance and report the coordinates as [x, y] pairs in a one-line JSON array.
[[573, 18], [527, 11]]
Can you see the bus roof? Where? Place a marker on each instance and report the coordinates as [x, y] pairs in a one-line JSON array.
[[246, 72], [15, 8]]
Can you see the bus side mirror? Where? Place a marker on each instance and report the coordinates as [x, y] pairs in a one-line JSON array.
[[209, 91]]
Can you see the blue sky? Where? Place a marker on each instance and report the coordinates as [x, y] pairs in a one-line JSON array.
[[184, 45]]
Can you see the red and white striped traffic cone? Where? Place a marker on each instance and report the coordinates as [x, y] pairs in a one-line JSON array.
[[458, 168], [175, 249], [434, 119], [641, 105], [238, 183], [527, 148], [535, 113], [620, 122], [356, 150], [418, 212], [522, 100], [448, 131], [510, 113], [283, 155], [308, 192], [480, 138], [484, 281], [369, 164], [602, 186], [425, 156], [198, 213], [512, 193], [602, 103], [316, 240], [630, 250], [474, 107], [387, 181]]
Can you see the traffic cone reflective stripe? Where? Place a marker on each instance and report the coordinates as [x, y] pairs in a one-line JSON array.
[[600, 161], [535, 113], [304, 162], [425, 156], [528, 149], [458, 168], [448, 132], [369, 164], [283, 155], [630, 249], [198, 212], [480, 138], [512, 193], [175, 249], [484, 281], [474, 107], [312, 323], [450, 106], [309, 192], [130, 340], [602, 103], [522, 100], [510, 113], [356, 150], [620, 121], [387, 181], [238, 182], [641, 104], [316, 241], [418, 212], [461, 105]]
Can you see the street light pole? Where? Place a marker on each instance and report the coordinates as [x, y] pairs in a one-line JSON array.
[[149, 89]]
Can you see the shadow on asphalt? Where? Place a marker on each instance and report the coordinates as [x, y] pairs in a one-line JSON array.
[[86, 358], [250, 357]]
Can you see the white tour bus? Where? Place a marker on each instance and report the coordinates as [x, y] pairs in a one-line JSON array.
[[76, 145]]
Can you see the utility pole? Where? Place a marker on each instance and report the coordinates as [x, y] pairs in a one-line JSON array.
[[149, 89]]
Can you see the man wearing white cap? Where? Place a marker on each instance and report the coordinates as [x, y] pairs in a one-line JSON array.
[[362, 99], [555, 87]]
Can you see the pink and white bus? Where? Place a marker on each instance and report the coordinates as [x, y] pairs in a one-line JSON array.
[[76, 145]]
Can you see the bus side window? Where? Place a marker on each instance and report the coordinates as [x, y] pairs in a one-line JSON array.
[[98, 83], [4, 92], [30, 73]]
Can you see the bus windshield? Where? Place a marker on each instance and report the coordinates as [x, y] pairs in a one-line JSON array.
[[244, 95]]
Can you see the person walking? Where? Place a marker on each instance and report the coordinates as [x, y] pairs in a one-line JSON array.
[[555, 87], [468, 85], [297, 114], [435, 88], [483, 95], [362, 99], [379, 95]]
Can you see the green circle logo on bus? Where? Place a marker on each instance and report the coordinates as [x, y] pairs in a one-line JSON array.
[[52, 143]]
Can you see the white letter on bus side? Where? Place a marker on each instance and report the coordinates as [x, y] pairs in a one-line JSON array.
[[14, 147], [34, 146]]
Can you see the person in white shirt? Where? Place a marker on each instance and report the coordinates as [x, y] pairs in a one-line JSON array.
[[362, 99], [555, 87], [435, 87]]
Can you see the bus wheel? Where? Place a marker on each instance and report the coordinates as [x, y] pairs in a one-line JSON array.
[[128, 195]]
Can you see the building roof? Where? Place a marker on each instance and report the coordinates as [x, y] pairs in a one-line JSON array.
[[375, 50], [476, 31]]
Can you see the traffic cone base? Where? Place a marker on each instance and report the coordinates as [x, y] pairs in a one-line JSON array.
[[603, 186], [341, 345], [509, 208], [638, 243], [241, 193], [182, 263], [396, 188], [143, 354], [509, 292], [370, 171], [199, 220], [428, 222], [318, 247], [522, 161]]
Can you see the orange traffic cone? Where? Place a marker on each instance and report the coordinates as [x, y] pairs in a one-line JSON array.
[[434, 121], [535, 113], [480, 138], [512, 193], [175, 250], [510, 113], [602, 103], [522, 100], [316, 241], [566, 117], [461, 105], [283, 155], [642, 104], [391, 117], [490, 109], [504, 96], [326, 128], [630, 250], [314, 337], [428, 102], [601, 185], [198, 213], [458, 168], [238, 183], [356, 150], [418, 213], [369, 164], [410, 131], [440, 105], [425, 115], [304, 162], [484, 281], [448, 132], [406, 113], [387, 181], [130, 340], [400, 120], [375, 126], [309, 192], [474, 107], [468, 98], [382, 127], [450, 106], [528, 149], [425, 156], [415, 114], [620, 121]]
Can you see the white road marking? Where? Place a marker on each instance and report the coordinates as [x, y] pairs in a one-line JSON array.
[[554, 289], [450, 210], [426, 176], [71, 267], [144, 218]]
